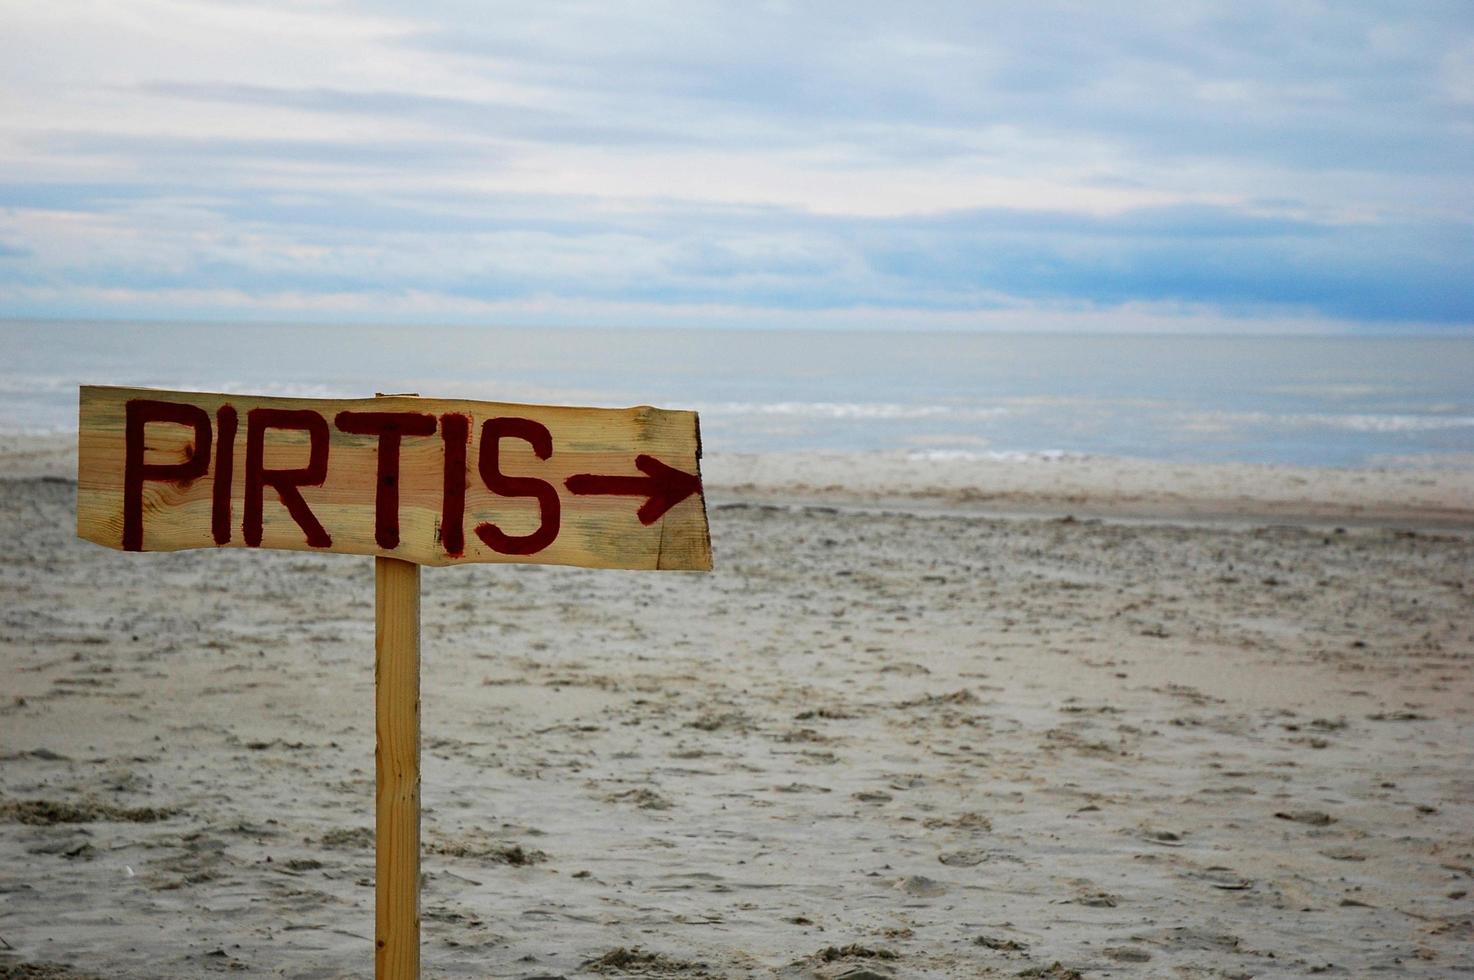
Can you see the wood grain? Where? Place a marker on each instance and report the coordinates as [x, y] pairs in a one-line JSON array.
[[595, 531], [397, 765]]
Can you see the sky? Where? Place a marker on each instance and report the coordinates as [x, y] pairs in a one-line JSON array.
[[1181, 166]]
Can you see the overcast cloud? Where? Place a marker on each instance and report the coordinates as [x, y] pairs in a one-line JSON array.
[[1181, 166]]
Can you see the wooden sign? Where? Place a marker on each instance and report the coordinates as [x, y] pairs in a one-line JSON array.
[[424, 480], [410, 481]]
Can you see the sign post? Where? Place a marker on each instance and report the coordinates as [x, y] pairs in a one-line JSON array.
[[397, 768], [410, 481]]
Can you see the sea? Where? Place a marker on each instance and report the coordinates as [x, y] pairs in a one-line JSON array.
[[1324, 401]]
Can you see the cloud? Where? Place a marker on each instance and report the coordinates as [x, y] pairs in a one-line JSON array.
[[967, 164], [449, 115]]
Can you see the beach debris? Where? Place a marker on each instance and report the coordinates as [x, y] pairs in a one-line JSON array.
[[854, 951], [1343, 854], [857, 971], [248, 829], [301, 864], [712, 721], [262, 745], [638, 962], [1232, 886], [43, 754], [861, 972], [1063, 738], [68, 847], [869, 970], [497, 853], [1002, 945], [41, 971], [1224, 879], [1312, 818], [1187, 938], [960, 696], [1096, 900], [921, 886], [348, 837], [645, 799], [906, 667], [1070, 707], [46, 812], [817, 758], [828, 713], [963, 821], [1187, 693], [1054, 971], [962, 859], [802, 735], [1127, 954]]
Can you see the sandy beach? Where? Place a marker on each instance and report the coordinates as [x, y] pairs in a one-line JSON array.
[[928, 718]]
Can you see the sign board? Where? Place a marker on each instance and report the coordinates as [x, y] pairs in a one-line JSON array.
[[410, 481], [424, 480]]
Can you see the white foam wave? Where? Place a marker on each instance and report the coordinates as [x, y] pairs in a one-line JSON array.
[[1352, 422], [1396, 423], [865, 411], [994, 456]]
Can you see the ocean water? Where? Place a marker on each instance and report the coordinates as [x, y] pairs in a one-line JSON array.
[[1316, 401]]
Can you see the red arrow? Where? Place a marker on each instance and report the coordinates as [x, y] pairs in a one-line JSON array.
[[665, 486]]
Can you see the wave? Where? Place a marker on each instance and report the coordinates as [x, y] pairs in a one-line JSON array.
[[1362, 422], [995, 456], [864, 411]]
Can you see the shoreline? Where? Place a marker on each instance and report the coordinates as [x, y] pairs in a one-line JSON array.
[[1086, 488], [1106, 488]]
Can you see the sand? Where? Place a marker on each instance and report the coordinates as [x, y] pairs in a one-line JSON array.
[[927, 719]]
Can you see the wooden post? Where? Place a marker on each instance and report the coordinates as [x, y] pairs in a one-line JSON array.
[[397, 768]]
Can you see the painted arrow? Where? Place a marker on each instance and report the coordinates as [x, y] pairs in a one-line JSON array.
[[663, 486]]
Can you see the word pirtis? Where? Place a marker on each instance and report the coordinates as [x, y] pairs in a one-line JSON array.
[[177, 453], [664, 486]]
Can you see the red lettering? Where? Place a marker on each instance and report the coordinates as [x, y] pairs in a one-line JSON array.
[[537, 435], [285, 482], [140, 412], [390, 427], [225, 419], [455, 432]]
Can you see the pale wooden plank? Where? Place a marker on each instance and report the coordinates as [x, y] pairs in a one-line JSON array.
[[595, 531], [397, 765]]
